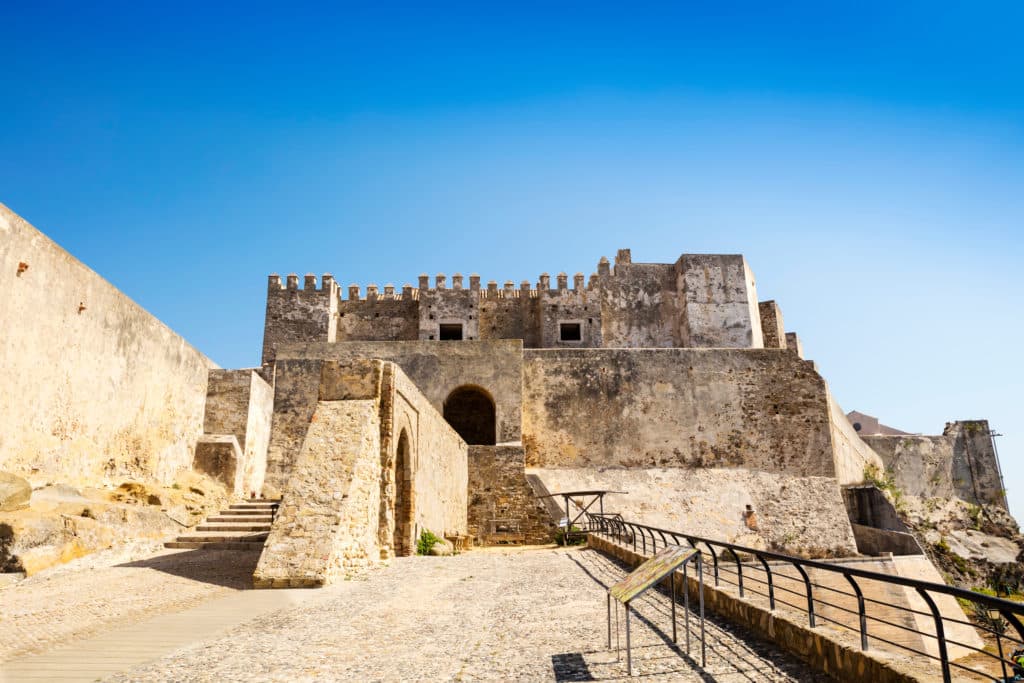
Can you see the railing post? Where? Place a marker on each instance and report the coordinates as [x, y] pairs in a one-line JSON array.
[[860, 611], [940, 634], [714, 558], [810, 595], [771, 584], [739, 569]]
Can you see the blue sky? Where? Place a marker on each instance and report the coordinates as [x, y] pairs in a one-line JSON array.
[[868, 160]]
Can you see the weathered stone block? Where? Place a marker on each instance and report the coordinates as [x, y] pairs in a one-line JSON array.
[[220, 457]]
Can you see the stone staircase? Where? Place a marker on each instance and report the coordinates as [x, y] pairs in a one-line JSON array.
[[243, 526]]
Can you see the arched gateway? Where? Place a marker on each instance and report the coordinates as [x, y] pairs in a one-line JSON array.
[[470, 411]]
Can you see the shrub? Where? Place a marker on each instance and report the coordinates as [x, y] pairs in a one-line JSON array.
[[426, 542]]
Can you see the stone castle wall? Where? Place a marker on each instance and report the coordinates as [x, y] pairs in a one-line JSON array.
[[240, 403], [96, 390], [340, 490], [757, 409], [436, 368], [960, 463], [503, 508], [698, 301]]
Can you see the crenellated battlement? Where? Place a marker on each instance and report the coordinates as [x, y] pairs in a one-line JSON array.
[[389, 293], [696, 301], [309, 283]]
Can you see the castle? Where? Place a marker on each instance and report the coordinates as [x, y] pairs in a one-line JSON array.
[[454, 408]]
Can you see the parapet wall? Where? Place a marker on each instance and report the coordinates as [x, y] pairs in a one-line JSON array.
[[96, 390]]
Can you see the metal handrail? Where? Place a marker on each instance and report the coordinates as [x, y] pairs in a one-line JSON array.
[[613, 525]]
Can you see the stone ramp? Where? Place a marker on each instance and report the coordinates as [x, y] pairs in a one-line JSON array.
[[243, 526]]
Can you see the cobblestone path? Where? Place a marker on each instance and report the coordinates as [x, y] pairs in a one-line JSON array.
[[500, 615]]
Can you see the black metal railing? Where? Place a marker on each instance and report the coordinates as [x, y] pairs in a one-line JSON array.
[[803, 585]]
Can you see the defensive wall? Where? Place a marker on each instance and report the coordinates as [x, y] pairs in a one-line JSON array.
[[698, 301], [96, 389], [377, 465], [961, 462], [233, 448]]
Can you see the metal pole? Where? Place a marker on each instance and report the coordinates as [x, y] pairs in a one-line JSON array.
[[810, 595], [999, 644], [609, 596], [629, 645], [860, 611], [700, 576], [686, 604], [940, 635], [672, 581]]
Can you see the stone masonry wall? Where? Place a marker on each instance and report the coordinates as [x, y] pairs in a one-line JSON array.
[[800, 515], [719, 301], [327, 522], [503, 508], [257, 432], [96, 390], [758, 409], [435, 368], [299, 315], [439, 461], [851, 454], [772, 327], [698, 301], [959, 463]]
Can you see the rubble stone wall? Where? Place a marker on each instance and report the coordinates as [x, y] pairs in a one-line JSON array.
[[503, 508], [96, 390]]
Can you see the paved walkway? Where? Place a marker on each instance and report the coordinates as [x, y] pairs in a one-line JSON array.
[[509, 615]]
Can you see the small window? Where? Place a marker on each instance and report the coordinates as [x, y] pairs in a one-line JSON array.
[[451, 332], [569, 332]]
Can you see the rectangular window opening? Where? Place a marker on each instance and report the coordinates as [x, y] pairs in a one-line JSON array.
[[451, 332], [569, 332]]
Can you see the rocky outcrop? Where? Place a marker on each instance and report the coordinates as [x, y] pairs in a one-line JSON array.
[[15, 492], [64, 523]]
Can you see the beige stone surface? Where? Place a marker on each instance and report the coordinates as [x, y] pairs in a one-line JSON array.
[[851, 454], [751, 408], [327, 522], [15, 492], [96, 389]]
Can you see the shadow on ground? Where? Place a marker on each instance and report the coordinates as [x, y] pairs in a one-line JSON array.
[[733, 652], [229, 568]]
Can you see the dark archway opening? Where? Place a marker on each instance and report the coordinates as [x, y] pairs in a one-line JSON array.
[[403, 541], [470, 412]]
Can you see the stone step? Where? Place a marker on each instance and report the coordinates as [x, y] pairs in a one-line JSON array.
[[240, 519], [233, 527], [215, 545], [248, 511], [207, 536], [253, 506]]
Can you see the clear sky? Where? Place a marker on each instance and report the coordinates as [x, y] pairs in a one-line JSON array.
[[868, 161]]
